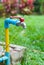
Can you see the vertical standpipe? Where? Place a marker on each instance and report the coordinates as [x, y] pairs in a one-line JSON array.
[[7, 22]]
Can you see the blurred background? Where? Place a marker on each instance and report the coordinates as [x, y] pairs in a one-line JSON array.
[[27, 7], [33, 36]]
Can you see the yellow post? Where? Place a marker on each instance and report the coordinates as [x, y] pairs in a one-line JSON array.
[[7, 39]]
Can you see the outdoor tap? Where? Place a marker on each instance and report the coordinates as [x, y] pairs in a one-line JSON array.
[[19, 22], [22, 23]]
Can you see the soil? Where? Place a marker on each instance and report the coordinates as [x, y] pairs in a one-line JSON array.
[[2, 63]]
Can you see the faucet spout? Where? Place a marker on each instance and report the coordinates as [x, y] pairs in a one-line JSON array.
[[23, 25]]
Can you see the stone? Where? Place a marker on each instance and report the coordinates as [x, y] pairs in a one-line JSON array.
[[16, 52]]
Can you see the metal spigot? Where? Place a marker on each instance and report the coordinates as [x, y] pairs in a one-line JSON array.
[[20, 22]]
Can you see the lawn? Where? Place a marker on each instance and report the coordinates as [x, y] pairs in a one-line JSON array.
[[32, 38]]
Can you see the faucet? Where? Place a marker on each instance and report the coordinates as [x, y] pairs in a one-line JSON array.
[[19, 22], [7, 23], [16, 22], [22, 23]]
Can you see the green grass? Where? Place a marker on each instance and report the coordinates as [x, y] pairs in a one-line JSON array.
[[33, 38]]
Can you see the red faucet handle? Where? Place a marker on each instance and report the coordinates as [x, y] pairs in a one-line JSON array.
[[21, 19]]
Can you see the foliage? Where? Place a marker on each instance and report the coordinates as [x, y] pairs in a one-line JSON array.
[[41, 7], [1, 6], [23, 5], [33, 38], [1, 9]]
